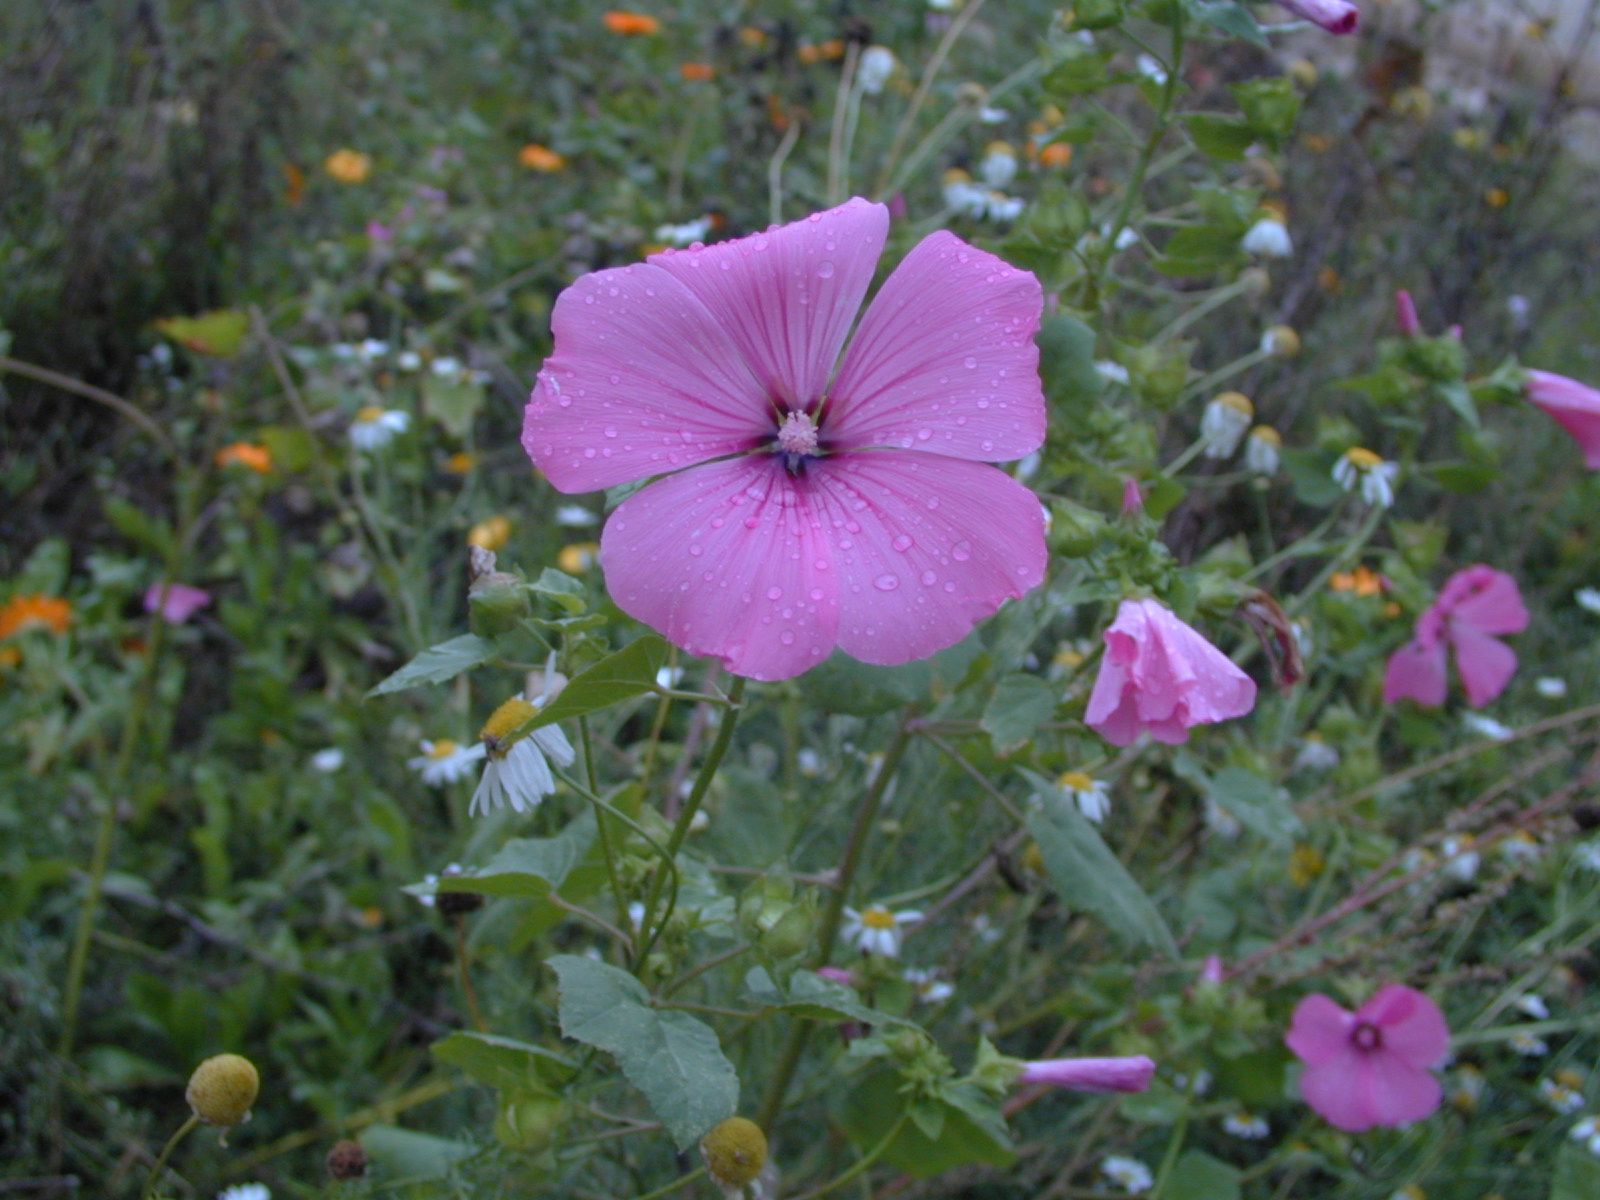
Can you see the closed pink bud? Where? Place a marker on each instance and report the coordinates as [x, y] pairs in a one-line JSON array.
[[1336, 16], [1130, 1074], [1576, 406], [1405, 314]]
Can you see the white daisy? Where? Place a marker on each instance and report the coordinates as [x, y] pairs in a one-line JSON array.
[[446, 367], [1127, 1173], [1560, 1097], [1587, 1131], [371, 350], [328, 761], [1129, 236], [999, 165], [1528, 1045], [1486, 726], [446, 761], [246, 1191], [1092, 796], [962, 195], [1315, 754], [1520, 846], [809, 762], [1533, 1005], [1550, 687], [1268, 238], [1245, 1125], [1587, 854], [877, 930], [998, 206], [686, 234], [1359, 468], [927, 985], [1263, 450], [375, 427], [408, 360], [1224, 423], [1466, 1088], [1112, 372], [1461, 861], [1588, 598], [1150, 67], [876, 65], [518, 774], [575, 516]]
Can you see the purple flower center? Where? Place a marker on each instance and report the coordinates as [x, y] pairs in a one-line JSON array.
[[797, 440], [1366, 1036]]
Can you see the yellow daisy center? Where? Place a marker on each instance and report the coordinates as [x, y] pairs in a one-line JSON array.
[[1076, 781], [1362, 458], [443, 748], [369, 414], [508, 717], [877, 918]]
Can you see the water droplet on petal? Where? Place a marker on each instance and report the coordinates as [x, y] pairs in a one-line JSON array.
[[774, 593], [961, 551], [825, 270], [970, 363], [886, 583], [902, 543], [928, 578]]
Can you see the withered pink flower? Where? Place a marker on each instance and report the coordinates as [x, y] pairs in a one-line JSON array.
[[1370, 1067], [1336, 16], [804, 500], [1575, 405], [1474, 605], [1161, 677], [1125, 1074], [176, 602]]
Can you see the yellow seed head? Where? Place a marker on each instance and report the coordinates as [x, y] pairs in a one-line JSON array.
[[1238, 401], [1000, 148], [1363, 459], [1267, 434], [877, 918], [492, 534], [1076, 781], [735, 1151], [513, 713], [222, 1089], [1283, 342], [369, 413]]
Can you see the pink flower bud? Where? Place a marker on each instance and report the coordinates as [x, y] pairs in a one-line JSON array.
[[1130, 1074], [1405, 314]]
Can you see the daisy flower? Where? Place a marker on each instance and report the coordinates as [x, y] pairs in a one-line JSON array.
[[375, 426], [443, 762], [1360, 469], [1129, 1174], [1268, 238], [1092, 796], [1224, 423], [1263, 450], [1528, 1045], [877, 930], [1559, 1096], [1245, 1125], [516, 774], [927, 986]]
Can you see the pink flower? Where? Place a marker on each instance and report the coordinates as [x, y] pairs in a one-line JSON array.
[[805, 501], [1405, 314], [1370, 1067], [1576, 406], [1091, 1074], [1132, 497], [176, 602], [1336, 16], [1161, 677], [1474, 604]]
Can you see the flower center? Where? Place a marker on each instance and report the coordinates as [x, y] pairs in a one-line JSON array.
[[443, 748], [369, 414], [1076, 781], [1361, 458], [504, 721], [877, 918], [797, 437], [1366, 1036]]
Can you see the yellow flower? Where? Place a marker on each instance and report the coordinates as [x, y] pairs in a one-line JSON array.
[[735, 1151], [1363, 581], [22, 613], [246, 454], [461, 463], [540, 158], [1496, 197], [578, 558], [491, 534], [222, 1089], [631, 23], [348, 166]]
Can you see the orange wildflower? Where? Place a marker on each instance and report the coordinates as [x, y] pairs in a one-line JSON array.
[[1496, 197], [22, 613], [294, 184], [246, 454], [461, 462], [1056, 154], [631, 23], [540, 158], [751, 36], [830, 49], [1363, 581], [348, 166], [697, 72]]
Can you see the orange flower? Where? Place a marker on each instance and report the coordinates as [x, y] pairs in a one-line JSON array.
[[1328, 280], [246, 454], [1363, 581], [752, 36], [1496, 197], [461, 462], [1056, 154], [22, 613], [631, 23], [697, 72], [294, 184], [540, 158], [348, 166]]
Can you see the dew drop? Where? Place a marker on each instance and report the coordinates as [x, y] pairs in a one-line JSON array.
[[928, 578], [787, 637], [961, 551], [970, 363], [825, 270], [696, 549], [924, 434], [611, 431], [774, 593], [886, 583], [902, 543], [817, 594]]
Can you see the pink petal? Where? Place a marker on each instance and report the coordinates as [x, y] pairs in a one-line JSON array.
[[1405, 314], [945, 359], [1484, 598], [788, 296], [176, 602], [722, 560], [1113, 710], [1130, 1074], [643, 380], [1412, 1025], [1416, 672], [924, 548], [1574, 405], [1395, 1092], [1319, 1031], [1334, 1089], [1336, 16], [1486, 665]]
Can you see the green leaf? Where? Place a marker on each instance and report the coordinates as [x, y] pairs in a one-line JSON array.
[[503, 1063], [1066, 361], [438, 663], [1221, 137], [1310, 471], [841, 684], [1464, 479], [1198, 1176], [875, 1105], [218, 334], [816, 999], [1020, 704], [1087, 875], [566, 591], [1201, 249], [452, 402], [527, 868], [1577, 1174], [139, 526], [672, 1058], [615, 678], [1076, 74], [45, 571], [402, 1156], [1256, 803], [1227, 17], [1271, 105]]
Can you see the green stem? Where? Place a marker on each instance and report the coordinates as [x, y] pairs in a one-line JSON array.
[[1169, 93], [864, 1162], [1174, 1147], [166, 1152], [606, 849], [680, 1181], [1356, 543], [1222, 374]]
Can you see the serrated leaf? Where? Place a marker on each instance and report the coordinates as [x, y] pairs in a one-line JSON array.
[[402, 1156], [525, 868], [217, 334], [817, 999], [675, 1060], [1020, 704], [616, 677], [438, 663], [1221, 137], [504, 1063], [1198, 1176], [875, 1105], [1087, 875]]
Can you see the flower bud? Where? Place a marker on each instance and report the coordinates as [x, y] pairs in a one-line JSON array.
[[529, 1123], [222, 1089], [1281, 342], [347, 1160], [735, 1151]]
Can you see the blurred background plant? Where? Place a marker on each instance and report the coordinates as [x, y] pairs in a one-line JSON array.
[[277, 281]]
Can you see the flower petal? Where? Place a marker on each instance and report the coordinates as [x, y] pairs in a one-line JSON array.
[[924, 548], [1575, 405], [945, 360], [1412, 1025], [788, 296], [1319, 1031], [1393, 1091], [724, 561], [643, 380], [1332, 1089], [1484, 598], [1486, 664], [1416, 672]]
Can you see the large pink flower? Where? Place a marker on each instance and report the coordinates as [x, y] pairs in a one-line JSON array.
[[1575, 405], [1372, 1066], [1475, 604], [1160, 677], [805, 501]]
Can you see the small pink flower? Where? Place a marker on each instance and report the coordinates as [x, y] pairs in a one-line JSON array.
[[1475, 604], [1161, 677], [1370, 1067], [805, 500], [1132, 497], [1131, 1074], [1573, 404], [1212, 971], [1405, 314], [1336, 16], [837, 975], [176, 602]]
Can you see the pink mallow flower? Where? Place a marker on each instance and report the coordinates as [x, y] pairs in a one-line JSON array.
[[176, 602], [1575, 405], [1336, 16], [805, 500], [1475, 604], [1372, 1066], [1161, 677], [1129, 1074]]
